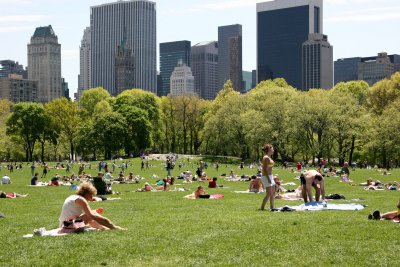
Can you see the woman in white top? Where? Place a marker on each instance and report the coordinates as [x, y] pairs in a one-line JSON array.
[[77, 207]]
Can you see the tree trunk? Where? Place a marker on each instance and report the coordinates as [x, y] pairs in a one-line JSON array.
[[353, 141], [42, 151]]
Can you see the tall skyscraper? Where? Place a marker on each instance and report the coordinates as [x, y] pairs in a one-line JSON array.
[[44, 63], [11, 67], [182, 80], [235, 62], [124, 68], [107, 25], [317, 62], [247, 81], [205, 69], [170, 54], [84, 78], [230, 55], [65, 88], [282, 28]]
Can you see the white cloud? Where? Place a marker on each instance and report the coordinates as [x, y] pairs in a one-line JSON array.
[[70, 54], [16, 28], [367, 15], [28, 18], [230, 4]]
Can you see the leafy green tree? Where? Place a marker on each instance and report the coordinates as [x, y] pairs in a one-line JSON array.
[[66, 116], [146, 101], [5, 107], [274, 106], [169, 123], [110, 131], [27, 122], [358, 89], [138, 132], [383, 93], [91, 97]]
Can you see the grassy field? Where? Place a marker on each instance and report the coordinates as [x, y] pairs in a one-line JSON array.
[[164, 229]]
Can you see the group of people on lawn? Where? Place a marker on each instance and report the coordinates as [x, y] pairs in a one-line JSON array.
[[76, 207]]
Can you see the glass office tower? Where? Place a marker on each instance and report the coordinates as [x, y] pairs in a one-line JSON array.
[[282, 28], [170, 54], [108, 23]]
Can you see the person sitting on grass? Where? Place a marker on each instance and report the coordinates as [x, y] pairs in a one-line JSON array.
[[256, 185], [35, 179], [391, 215], [213, 183], [76, 207], [6, 180], [201, 193], [165, 185], [101, 186]]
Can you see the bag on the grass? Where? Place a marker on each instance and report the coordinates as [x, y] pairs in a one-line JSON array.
[[73, 226]]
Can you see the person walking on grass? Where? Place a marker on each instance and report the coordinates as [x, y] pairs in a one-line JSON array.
[[267, 178]]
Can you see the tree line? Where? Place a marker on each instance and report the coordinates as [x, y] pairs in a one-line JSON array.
[[351, 122]]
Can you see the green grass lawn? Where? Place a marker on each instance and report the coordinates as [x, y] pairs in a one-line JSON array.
[[164, 229]]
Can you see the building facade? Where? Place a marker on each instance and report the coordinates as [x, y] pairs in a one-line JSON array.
[[346, 69], [205, 69], [247, 81], [282, 28], [317, 62], [84, 77], [235, 62], [370, 69], [107, 25], [11, 67], [230, 55], [170, 54], [182, 80], [376, 69], [44, 63], [17, 89], [124, 68], [65, 89]]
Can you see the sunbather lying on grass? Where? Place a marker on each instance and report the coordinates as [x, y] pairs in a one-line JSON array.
[[391, 215]]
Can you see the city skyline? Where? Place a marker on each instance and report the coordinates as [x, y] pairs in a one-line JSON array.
[[356, 28]]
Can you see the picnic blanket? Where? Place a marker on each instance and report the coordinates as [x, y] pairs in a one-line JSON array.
[[54, 232], [317, 206], [247, 192]]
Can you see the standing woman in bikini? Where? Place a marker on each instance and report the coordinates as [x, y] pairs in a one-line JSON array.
[[267, 177]]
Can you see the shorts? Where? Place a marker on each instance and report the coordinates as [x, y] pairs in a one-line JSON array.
[[265, 182]]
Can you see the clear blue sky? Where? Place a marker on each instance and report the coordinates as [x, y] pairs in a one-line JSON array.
[[354, 27]]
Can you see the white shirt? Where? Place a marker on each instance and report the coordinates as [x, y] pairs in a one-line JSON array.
[[6, 180], [70, 209]]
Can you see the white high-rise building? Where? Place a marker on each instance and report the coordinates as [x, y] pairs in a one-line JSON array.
[[44, 63], [84, 80], [107, 25], [182, 80]]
